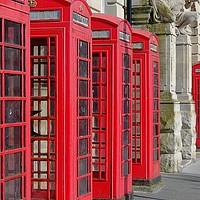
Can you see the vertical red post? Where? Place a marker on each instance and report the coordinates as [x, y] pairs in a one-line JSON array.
[[146, 109], [196, 96], [14, 100], [61, 100], [111, 118]]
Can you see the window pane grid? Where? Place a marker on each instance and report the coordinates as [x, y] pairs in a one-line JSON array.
[[43, 116], [99, 125], [156, 113], [84, 112], [126, 116], [136, 112], [13, 111]]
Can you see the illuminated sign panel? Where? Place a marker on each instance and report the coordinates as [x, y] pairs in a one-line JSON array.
[[100, 34], [124, 36]]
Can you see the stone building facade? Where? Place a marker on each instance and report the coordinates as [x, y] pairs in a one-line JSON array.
[[178, 34]]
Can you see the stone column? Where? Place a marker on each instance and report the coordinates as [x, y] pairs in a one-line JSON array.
[[183, 90], [115, 7], [171, 143]]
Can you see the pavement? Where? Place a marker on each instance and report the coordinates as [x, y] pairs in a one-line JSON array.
[[177, 186]]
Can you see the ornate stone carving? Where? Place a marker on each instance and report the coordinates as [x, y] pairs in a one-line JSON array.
[[180, 12]]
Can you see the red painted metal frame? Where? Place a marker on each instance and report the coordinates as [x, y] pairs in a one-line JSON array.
[[14, 121], [70, 33], [117, 181], [146, 107], [196, 96]]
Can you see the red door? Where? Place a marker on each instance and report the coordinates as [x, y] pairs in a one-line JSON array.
[[101, 121], [138, 131], [45, 134], [14, 110]]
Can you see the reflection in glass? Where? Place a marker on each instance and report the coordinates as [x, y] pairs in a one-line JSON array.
[[13, 164], [95, 76], [95, 90], [126, 61], [126, 107], [13, 189], [95, 59], [95, 108], [83, 49], [126, 122], [13, 138], [13, 85], [83, 88], [83, 127], [83, 186], [83, 107], [125, 169], [126, 76], [13, 111], [12, 32], [155, 67], [83, 147], [126, 91], [83, 167], [125, 153], [83, 69], [13, 59], [126, 138], [95, 122]]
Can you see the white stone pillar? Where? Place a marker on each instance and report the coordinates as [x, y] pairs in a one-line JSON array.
[[115, 7], [183, 90], [171, 143]]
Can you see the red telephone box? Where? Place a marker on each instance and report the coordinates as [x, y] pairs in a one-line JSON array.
[[145, 108], [196, 96], [61, 100], [111, 128], [14, 100]]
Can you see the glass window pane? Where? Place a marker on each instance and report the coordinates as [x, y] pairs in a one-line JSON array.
[[83, 69], [83, 88], [155, 130], [95, 59], [95, 76], [125, 153], [126, 61], [126, 138], [155, 92], [0, 34], [0, 56], [126, 76], [83, 127], [95, 108], [52, 88], [52, 107], [155, 79], [13, 189], [52, 67], [83, 166], [83, 107], [13, 59], [155, 67], [83, 147], [13, 111], [126, 107], [125, 169], [12, 32], [13, 85], [13, 138], [83, 186], [126, 91], [95, 91], [83, 49], [13, 164], [126, 122]]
